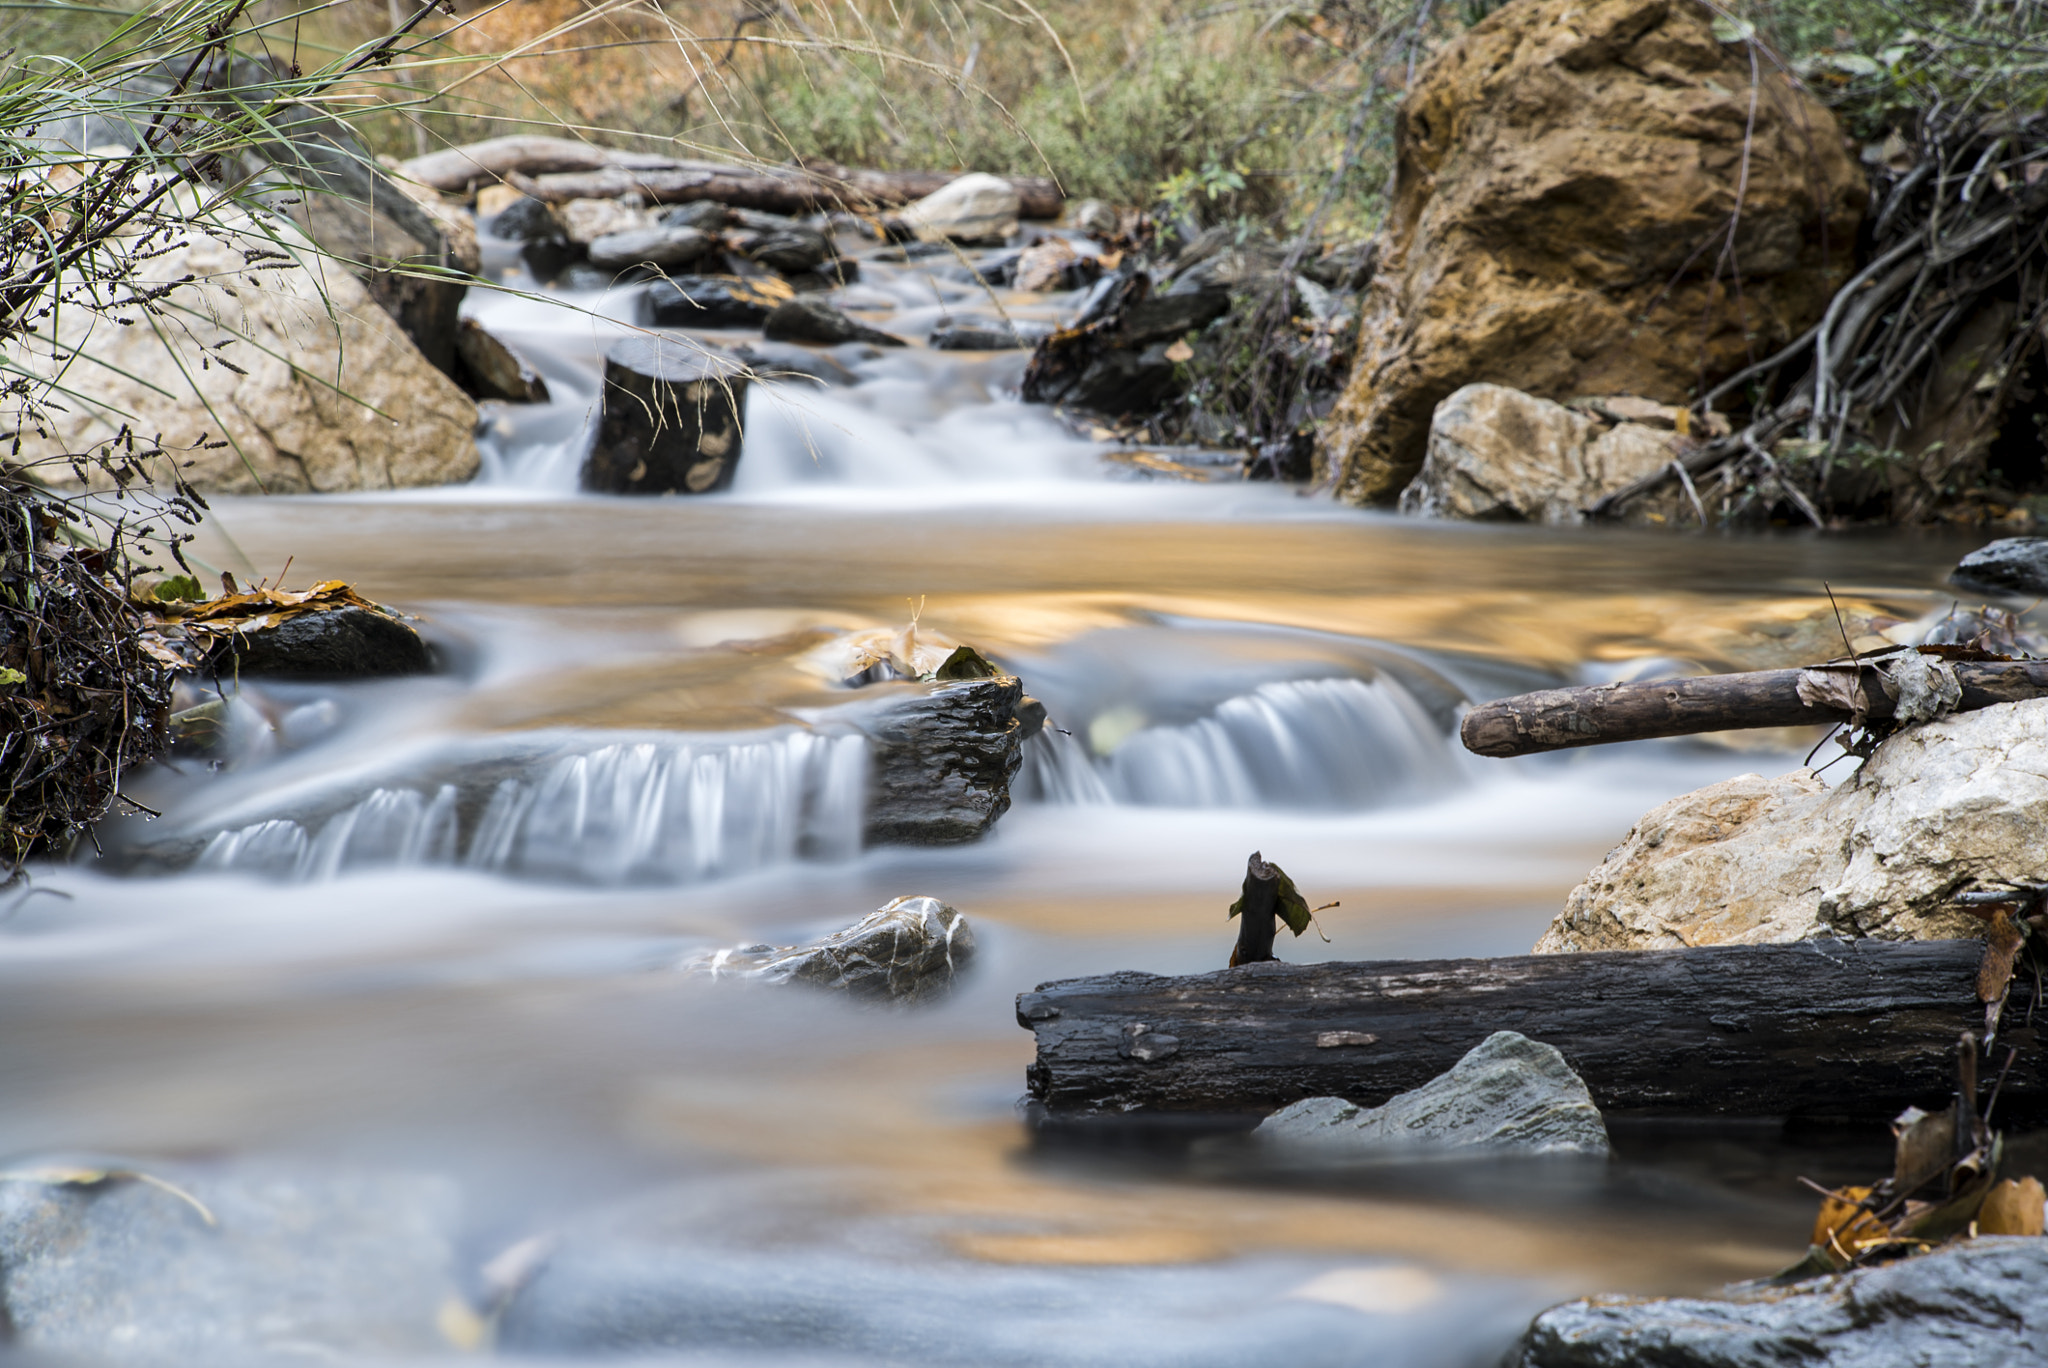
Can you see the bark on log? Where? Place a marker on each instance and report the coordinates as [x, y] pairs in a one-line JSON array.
[[1555, 719], [1853, 1030], [559, 169]]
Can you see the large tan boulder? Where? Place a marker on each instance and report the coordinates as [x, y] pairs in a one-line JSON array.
[[1568, 172], [310, 383], [1497, 454], [1937, 808]]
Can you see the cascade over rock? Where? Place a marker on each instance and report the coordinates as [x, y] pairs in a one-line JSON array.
[[1567, 178]]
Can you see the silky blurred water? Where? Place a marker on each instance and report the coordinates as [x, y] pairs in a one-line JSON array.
[[337, 976]]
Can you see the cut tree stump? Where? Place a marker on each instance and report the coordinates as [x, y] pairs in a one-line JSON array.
[[1556, 719], [671, 422], [1853, 1030]]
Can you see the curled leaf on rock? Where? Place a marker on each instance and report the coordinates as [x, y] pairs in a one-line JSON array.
[[965, 663], [1268, 896]]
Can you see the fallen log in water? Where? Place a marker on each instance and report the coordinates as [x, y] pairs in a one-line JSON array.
[[559, 169], [1554, 719], [1836, 1029]]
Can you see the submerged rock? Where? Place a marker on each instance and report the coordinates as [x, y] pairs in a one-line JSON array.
[[1979, 1302], [1498, 454], [279, 1263], [1558, 166], [908, 951], [810, 319], [1509, 1093], [2010, 565], [1938, 808]]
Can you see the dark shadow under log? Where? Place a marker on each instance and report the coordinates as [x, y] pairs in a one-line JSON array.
[[1557, 719], [1853, 1030]]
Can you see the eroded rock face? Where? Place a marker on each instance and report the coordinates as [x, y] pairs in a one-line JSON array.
[[1939, 808], [908, 951], [1509, 1093], [323, 395], [1559, 168], [1981, 1302], [320, 1265], [1497, 454]]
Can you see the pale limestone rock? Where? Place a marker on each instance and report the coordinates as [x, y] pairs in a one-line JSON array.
[[972, 208], [1496, 453], [587, 220], [329, 393], [1508, 1093], [1939, 808]]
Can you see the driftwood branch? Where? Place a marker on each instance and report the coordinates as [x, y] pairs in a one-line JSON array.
[[1836, 1029], [1556, 719], [559, 169]]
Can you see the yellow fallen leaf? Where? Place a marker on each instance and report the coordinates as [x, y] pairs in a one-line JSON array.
[[461, 1326]]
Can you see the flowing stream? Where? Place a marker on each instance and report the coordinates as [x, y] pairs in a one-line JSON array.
[[430, 925]]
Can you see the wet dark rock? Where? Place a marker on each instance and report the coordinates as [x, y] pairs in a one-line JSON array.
[[1509, 1093], [706, 216], [1978, 1303], [791, 250], [941, 762], [785, 360], [907, 952], [526, 220], [492, 370], [2010, 565], [339, 643], [293, 1264], [828, 275], [547, 258], [985, 335], [659, 247], [707, 302], [809, 319], [671, 421], [1114, 360]]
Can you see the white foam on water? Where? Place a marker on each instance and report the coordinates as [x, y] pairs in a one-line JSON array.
[[629, 812], [1306, 743]]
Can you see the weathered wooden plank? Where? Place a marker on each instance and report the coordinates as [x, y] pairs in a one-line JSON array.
[[1556, 719], [1855, 1029]]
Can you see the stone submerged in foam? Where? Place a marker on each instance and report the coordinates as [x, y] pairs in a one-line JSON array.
[[1508, 1094]]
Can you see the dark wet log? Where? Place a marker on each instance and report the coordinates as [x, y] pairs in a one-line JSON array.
[[1555, 719], [1857, 1029], [671, 422]]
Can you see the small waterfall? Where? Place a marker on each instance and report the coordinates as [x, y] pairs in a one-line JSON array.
[[657, 811], [1309, 743]]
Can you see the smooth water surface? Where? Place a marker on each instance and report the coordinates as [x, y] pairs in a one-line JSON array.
[[315, 966]]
